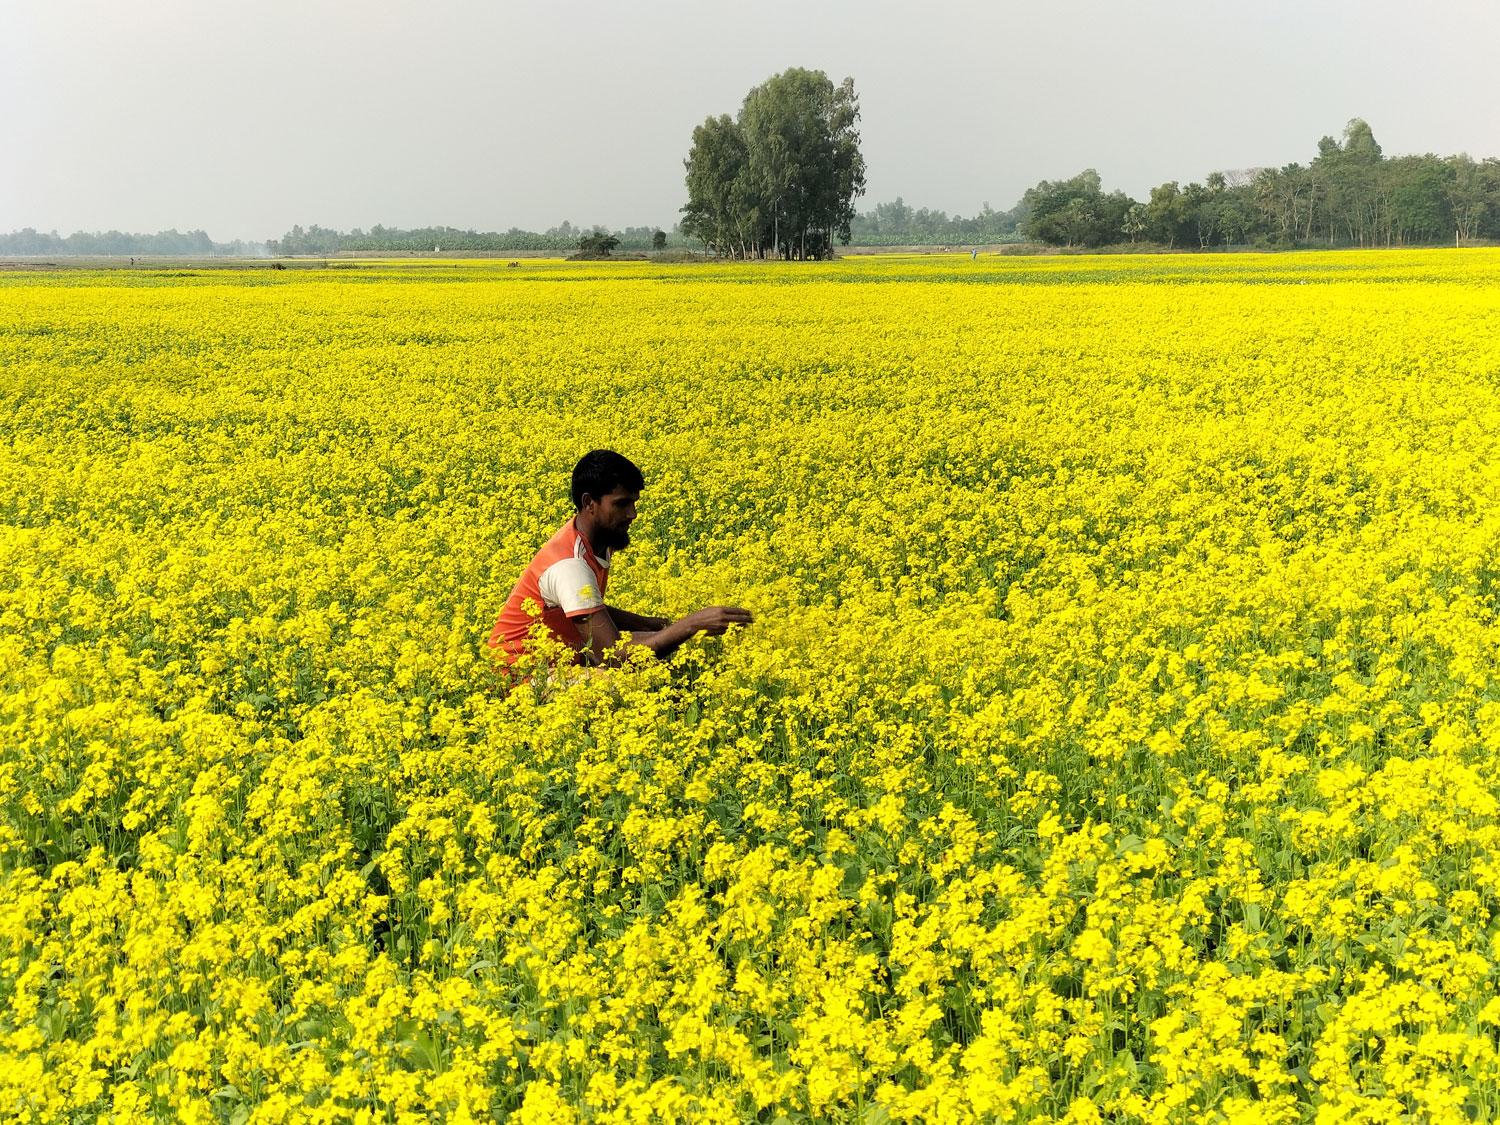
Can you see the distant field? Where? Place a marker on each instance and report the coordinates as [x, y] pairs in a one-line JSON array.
[[1118, 738], [148, 263], [674, 256]]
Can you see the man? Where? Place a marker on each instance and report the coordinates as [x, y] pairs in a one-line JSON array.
[[568, 576]]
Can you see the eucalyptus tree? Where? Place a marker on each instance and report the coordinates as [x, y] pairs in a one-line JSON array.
[[783, 175], [1469, 195], [1283, 201], [1349, 175], [717, 172], [1414, 204]]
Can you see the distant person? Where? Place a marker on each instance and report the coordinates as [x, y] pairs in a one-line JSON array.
[[567, 578], [974, 254]]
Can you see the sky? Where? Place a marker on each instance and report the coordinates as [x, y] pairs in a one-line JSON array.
[[245, 118]]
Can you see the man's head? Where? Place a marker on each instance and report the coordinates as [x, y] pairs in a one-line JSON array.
[[605, 489]]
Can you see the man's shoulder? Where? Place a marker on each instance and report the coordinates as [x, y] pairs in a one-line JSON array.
[[562, 545]]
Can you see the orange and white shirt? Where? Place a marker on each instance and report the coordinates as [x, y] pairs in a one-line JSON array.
[[566, 580]]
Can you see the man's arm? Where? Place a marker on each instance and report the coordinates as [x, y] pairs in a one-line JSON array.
[[600, 633], [635, 622]]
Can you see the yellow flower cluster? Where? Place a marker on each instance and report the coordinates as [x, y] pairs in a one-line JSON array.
[[1118, 738]]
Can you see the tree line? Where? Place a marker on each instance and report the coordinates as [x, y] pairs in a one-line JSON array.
[[563, 238], [780, 179], [897, 224], [1350, 194], [314, 241], [167, 243]]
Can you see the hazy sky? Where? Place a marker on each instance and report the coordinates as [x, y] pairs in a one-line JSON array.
[[244, 117]]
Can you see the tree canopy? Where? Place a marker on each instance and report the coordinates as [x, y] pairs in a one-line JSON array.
[[1074, 212], [781, 177], [1350, 194]]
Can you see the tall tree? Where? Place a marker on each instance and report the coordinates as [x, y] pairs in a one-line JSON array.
[[1283, 201], [1167, 217], [1467, 198], [784, 174], [1349, 174], [1204, 209], [1414, 200], [716, 172]]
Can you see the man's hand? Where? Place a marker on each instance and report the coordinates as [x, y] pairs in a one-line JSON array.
[[715, 620], [599, 631]]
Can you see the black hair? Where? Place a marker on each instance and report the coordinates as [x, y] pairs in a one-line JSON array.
[[601, 471]]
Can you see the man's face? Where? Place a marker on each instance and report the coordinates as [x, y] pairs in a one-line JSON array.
[[613, 513]]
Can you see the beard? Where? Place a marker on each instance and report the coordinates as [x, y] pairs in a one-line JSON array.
[[611, 539]]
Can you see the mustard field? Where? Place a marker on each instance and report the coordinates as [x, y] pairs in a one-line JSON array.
[[1118, 738]]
